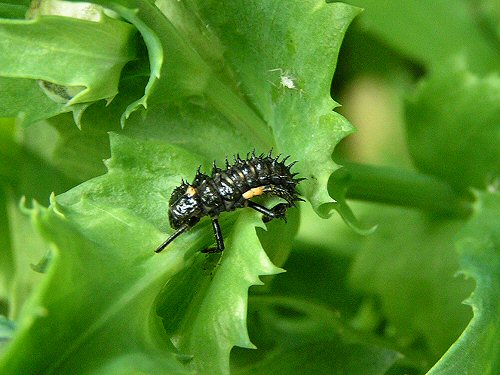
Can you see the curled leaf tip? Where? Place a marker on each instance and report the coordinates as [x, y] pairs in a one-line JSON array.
[[22, 203], [350, 219], [56, 208], [78, 110], [23, 206]]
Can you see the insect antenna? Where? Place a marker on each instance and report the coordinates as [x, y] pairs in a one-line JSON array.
[[172, 237]]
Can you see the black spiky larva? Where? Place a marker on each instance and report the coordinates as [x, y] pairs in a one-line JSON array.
[[229, 189]]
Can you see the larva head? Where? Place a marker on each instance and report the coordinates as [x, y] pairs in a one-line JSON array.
[[184, 206]]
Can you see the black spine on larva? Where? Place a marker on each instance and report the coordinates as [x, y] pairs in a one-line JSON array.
[[224, 189]]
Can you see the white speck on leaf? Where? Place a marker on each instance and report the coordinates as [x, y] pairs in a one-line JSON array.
[[286, 80]]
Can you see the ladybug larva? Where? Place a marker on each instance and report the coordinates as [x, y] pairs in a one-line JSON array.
[[229, 189]]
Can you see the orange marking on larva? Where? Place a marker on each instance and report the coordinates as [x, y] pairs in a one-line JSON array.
[[191, 191], [254, 192]]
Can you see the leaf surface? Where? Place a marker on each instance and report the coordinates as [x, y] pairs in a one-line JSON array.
[[453, 126], [297, 336], [244, 99], [44, 48], [410, 28], [409, 264], [478, 246], [104, 279], [22, 98]]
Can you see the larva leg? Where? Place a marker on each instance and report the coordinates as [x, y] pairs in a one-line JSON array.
[[218, 238], [277, 212], [280, 192]]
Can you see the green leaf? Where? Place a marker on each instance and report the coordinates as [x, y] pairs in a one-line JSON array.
[[23, 99], [79, 153], [100, 255], [6, 261], [300, 337], [26, 249], [10, 151], [410, 28], [338, 185], [7, 329], [104, 231], [318, 275], [80, 293], [489, 16], [25, 175], [453, 126], [36, 176], [275, 42], [478, 244], [103, 241], [409, 265], [214, 319], [244, 101], [44, 48], [12, 10]]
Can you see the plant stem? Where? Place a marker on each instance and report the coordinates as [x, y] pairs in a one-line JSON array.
[[403, 188]]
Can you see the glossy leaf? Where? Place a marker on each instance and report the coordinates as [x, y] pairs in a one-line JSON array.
[[246, 99], [43, 48]]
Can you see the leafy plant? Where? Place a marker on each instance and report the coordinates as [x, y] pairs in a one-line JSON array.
[[159, 88]]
